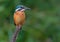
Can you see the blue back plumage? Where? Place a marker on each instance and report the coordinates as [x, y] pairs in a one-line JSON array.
[[19, 6]]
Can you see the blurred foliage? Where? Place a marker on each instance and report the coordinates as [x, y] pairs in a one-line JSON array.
[[42, 21]]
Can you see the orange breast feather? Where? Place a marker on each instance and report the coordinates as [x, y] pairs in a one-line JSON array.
[[19, 18]]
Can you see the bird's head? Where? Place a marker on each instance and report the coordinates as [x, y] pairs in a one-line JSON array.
[[21, 8]]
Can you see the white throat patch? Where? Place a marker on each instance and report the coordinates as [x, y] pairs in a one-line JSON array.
[[20, 10], [17, 9], [23, 10]]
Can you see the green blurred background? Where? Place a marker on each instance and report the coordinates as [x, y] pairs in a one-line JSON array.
[[42, 21]]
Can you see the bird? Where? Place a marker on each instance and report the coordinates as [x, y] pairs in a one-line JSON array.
[[19, 19]]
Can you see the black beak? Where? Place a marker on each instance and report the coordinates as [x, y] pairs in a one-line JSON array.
[[26, 8]]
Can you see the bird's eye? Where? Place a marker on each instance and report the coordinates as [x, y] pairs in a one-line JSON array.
[[22, 7], [19, 9]]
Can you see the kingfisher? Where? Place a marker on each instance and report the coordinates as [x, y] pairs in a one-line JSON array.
[[19, 19]]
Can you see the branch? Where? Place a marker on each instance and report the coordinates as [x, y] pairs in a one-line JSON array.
[[15, 34]]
